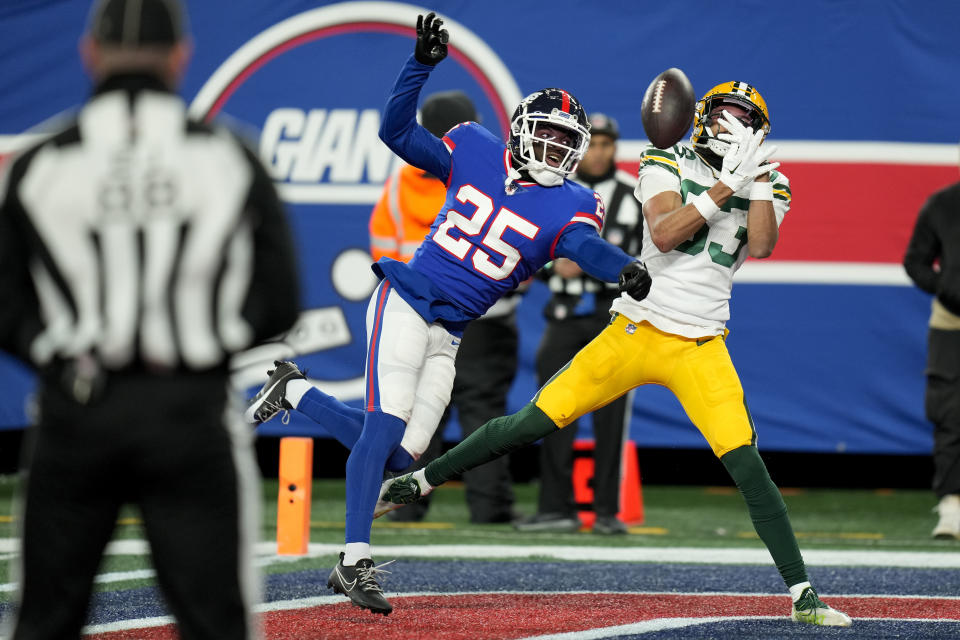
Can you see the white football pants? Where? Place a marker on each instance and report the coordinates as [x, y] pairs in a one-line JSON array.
[[410, 366]]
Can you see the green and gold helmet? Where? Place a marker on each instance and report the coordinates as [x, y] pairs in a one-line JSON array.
[[738, 94]]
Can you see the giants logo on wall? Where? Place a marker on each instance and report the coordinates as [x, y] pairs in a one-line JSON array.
[[313, 88]]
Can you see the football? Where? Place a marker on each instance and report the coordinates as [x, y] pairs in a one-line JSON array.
[[667, 108]]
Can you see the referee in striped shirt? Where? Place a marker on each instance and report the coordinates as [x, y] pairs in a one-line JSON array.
[[577, 311], [138, 250]]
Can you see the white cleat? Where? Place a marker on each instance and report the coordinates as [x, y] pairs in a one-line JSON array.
[[948, 527], [810, 609]]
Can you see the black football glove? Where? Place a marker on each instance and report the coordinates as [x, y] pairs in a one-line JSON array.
[[635, 281], [431, 40]]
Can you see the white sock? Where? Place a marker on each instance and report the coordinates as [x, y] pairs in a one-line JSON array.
[[354, 552], [421, 477], [797, 590], [296, 389]]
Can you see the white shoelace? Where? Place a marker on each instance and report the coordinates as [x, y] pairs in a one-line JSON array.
[[368, 576]]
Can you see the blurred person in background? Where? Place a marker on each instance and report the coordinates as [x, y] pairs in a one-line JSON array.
[[932, 261], [143, 249], [577, 311]]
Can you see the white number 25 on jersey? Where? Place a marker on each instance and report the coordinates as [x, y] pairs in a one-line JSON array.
[[493, 240]]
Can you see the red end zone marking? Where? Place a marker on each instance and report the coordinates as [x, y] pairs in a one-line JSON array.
[[499, 616]]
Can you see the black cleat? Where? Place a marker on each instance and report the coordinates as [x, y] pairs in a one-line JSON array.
[[359, 583], [609, 526], [271, 399]]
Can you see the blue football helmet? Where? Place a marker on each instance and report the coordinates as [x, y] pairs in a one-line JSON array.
[[549, 133]]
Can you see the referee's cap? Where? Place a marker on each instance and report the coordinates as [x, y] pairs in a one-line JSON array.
[[138, 23]]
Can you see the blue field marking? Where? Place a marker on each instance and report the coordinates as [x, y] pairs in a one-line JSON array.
[[127, 604], [468, 575], [769, 629], [114, 606]]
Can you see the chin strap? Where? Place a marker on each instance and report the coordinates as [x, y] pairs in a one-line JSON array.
[[719, 147], [716, 145], [544, 177]]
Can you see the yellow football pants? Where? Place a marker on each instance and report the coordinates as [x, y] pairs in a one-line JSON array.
[[626, 355]]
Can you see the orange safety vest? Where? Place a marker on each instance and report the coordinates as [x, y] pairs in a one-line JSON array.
[[410, 201]]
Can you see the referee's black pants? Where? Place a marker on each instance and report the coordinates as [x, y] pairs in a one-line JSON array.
[[162, 443], [561, 341]]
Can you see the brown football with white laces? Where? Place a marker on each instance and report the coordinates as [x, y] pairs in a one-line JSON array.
[[668, 108]]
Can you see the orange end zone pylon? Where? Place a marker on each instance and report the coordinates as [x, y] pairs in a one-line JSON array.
[[293, 502], [631, 492]]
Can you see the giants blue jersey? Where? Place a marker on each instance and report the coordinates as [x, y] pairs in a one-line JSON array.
[[486, 239]]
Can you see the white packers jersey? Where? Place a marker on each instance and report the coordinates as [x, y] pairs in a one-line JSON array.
[[691, 284]]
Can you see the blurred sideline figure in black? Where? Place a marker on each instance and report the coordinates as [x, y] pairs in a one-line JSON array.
[[142, 250], [933, 263], [487, 359], [577, 311]]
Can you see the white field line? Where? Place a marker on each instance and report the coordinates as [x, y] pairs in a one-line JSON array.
[[647, 626], [103, 578], [126, 625], [651, 626], [142, 574], [681, 555]]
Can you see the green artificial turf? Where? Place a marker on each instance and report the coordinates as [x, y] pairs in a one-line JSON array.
[[673, 516]]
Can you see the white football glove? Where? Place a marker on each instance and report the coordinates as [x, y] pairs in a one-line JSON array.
[[745, 160], [736, 132]]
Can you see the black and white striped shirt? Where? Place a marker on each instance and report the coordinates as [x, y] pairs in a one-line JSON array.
[[141, 238]]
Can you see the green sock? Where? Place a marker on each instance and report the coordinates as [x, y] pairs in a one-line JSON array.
[[767, 510], [495, 438]]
